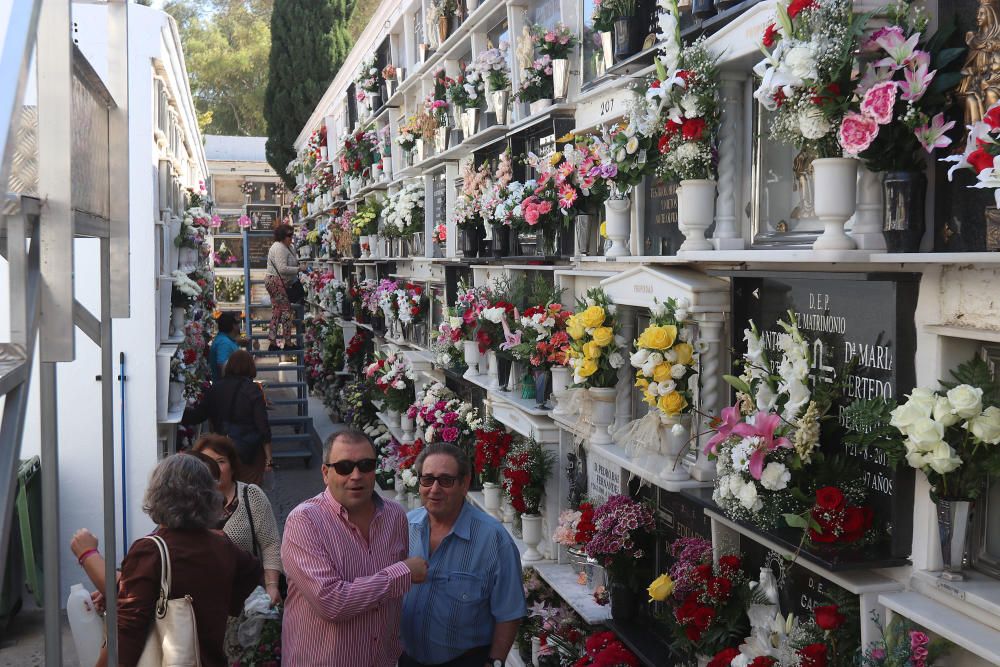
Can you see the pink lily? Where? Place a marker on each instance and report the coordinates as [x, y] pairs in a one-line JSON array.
[[730, 418], [933, 136], [917, 76], [763, 428], [900, 50]]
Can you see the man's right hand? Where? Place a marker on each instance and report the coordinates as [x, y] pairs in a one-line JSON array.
[[418, 569]]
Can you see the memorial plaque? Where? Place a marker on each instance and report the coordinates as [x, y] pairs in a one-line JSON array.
[[604, 478], [439, 199], [230, 223], [257, 247], [678, 517], [866, 317], [663, 237], [263, 218]]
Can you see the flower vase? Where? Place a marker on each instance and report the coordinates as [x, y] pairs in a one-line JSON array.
[[390, 87], [470, 6], [625, 37], [531, 535], [836, 190], [953, 528], [623, 601], [608, 49], [175, 396], [602, 413], [503, 371], [178, 315], [507, 511], [696, 212], [492, 370], [560, 78], [562, 376], [470, 349], [674, 441], [442, 28], [539, 106], [584, 227], [619, 222], [903, 224], [527, 243], [702, 660], [541, 377], [491, 499], [400, 490], [470, 122], [418, 150], [387, 166], [441, 139], [187, 257], [501, 104], [374, 101], [407, 425], [392, 418]]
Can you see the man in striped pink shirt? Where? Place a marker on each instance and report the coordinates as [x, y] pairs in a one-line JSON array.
[[345, 556]]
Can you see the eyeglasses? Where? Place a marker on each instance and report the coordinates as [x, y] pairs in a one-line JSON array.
[[345, 468], [446, 481]]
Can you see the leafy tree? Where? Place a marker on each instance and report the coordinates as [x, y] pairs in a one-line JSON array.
[[309, 41], [226, 45]]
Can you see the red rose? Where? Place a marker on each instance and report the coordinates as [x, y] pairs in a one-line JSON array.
[[993, 118], [828, 617], [779, 97], [797, 6], [980, 160], [671, 128], [685, 74], [724, 657], [693, 632], [763, 661], [693, 128], [770, 33], [813, 655], [829, 498], [703, 572], [730, 563], [719, 587], [857, 521], [663, 143], [827, 532], [703, 617]]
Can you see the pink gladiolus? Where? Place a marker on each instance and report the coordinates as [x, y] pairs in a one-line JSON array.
[[730, 418], [879, 101], [857, 131], [933, 136], [763, 428]]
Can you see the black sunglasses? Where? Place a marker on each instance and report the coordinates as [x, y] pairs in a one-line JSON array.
[[345, 468], [446, 481]]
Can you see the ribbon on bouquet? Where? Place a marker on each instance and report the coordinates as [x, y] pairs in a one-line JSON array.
[[641, 433], [579, 404]]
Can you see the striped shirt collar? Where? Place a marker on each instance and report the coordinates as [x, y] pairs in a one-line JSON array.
[[341, 511]]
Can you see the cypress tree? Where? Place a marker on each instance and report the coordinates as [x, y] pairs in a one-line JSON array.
[[309, 41]]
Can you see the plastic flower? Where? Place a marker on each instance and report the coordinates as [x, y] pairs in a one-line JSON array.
[[857, 131], [243, 222], [933, 136], [763, 428], [899, 48], [879, 101], [917, 77]]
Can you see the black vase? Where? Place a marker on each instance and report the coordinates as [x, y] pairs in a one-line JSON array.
[[903, 210], [703, 8], [622, 602], [501, 240], [356, 250], [503, 370], [472, 240], [541, 376], [626, 42]]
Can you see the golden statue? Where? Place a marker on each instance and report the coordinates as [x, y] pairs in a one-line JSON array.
[[980, 86]]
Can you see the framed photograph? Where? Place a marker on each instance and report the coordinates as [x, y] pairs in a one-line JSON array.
[[263, 218]]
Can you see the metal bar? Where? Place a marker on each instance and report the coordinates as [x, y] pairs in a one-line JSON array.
[[17, 278], [15, 407], [55, 179], [19, 40], [118, 156], [50, 512], [85, 320], [108, 455], [88, 224]]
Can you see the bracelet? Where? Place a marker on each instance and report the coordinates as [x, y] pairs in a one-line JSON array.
[[86, 554], [269, 463]]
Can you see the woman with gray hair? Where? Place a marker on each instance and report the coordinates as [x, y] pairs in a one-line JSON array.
[[184, 501]]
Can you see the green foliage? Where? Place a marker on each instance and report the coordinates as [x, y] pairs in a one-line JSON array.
[[226, 45], [977, 373], [868, 426], [309, 41]]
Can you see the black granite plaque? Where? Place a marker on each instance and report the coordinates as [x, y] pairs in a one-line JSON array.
[[439, 199], [867, 317], [662, 234], [228, 251], [257, 247], [263, 218]]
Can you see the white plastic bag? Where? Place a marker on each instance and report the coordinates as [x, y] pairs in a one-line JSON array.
[[256, 610]]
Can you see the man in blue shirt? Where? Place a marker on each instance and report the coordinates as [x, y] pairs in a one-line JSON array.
[[224, 344], [468, 611]]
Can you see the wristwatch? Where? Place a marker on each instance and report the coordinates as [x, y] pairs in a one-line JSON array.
[[495, 662]]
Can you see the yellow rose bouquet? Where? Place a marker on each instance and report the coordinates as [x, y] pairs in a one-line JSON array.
[[665, 358], [595, 344]]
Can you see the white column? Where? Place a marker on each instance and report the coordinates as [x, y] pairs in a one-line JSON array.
[[623, 401], [451, 240], [866, 229], [728, 235], [710, 390]]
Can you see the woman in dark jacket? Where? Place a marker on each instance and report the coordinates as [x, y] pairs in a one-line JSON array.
[[184, 502], [235, 402]]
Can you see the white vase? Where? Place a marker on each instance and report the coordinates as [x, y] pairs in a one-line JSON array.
[[507, 511], [836, 180], [470, 349], [560, 78], [387, 166], [178, 318], [400, 490], [539, 106], [618, 224], [175, 396], [492, 370], [406, 424], [675, 438], [602, 413], [562, 377], [531, 535], [187, 257], [500, 101], [470, 5], [392, 418], [696, 212], [491, 500]]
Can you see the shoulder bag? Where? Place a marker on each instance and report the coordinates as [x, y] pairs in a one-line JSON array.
[[282, 582], [245, 437], [173, 638], [295, 292]]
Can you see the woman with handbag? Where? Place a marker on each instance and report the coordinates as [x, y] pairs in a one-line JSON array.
[[180, 584], [282, 273], [236, 408]]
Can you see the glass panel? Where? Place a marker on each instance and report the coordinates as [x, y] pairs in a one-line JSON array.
[[590, 43], [499, 33], [545, 13], [984, 552], [418, 34], [639, 406]]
